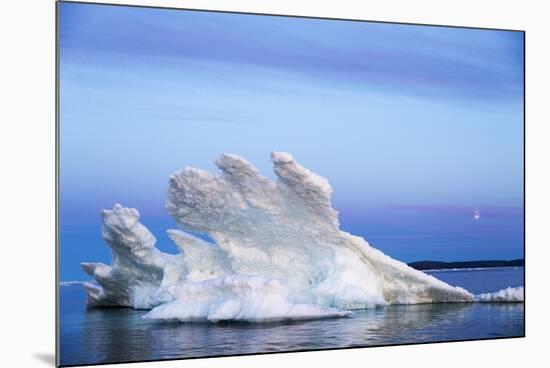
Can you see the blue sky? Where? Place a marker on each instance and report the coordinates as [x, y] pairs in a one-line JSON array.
[[415, 127]]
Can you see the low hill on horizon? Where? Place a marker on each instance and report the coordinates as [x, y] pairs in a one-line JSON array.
[[439, 265]]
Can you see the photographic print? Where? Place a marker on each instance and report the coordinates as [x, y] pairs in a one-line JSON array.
[[233, 184]]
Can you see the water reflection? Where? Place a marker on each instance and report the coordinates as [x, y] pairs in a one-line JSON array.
[[118, 334]]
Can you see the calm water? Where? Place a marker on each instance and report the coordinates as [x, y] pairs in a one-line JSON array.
[[94, 335]]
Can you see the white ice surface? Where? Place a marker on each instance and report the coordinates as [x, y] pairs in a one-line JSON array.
[[278, 253], [505, 295], [237, 298]]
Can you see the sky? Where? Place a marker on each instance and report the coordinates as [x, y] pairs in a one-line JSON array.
[[417, 128]]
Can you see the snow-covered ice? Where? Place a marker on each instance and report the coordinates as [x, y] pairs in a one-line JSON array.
[[237, 297], [278, 253], [505, 295]]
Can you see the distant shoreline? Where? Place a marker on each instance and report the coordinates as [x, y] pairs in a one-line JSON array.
[[438, 265]]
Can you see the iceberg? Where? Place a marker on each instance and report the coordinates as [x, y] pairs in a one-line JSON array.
[[508, 295], [277, 253]]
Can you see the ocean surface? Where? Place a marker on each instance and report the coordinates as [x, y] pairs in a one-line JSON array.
[[106, 335]]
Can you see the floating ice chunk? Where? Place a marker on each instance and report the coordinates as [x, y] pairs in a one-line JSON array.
[[278, 252], [505, 295], [71, 283]]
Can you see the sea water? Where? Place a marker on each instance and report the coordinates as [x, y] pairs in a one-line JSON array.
[[106, 335]]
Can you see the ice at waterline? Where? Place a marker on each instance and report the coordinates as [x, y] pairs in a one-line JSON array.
[[278, 253]]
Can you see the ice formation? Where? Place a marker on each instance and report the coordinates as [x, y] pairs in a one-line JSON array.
[[278, 253], [505, 295]]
